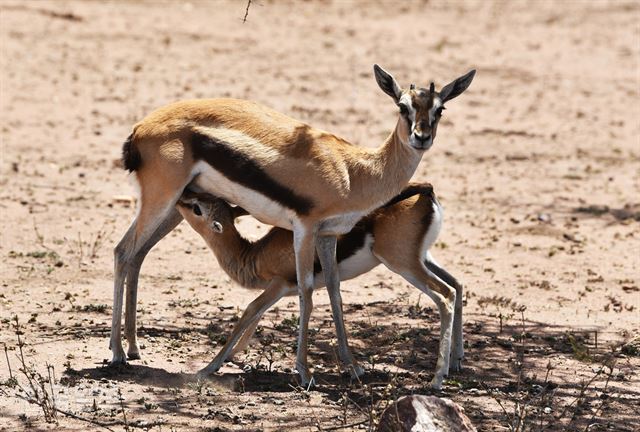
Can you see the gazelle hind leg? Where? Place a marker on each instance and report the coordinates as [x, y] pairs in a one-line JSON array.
[[274, 292], [155, 206], [444, 298], [122, 253], [457, 350], [172, 220], [326, 246]]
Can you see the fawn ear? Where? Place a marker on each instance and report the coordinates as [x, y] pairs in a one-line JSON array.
[[456, 87], [192, 203], [387, 83], [216, 226], [238, 211]]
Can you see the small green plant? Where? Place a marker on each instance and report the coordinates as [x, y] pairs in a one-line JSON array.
[[580, 350], [290, 323]]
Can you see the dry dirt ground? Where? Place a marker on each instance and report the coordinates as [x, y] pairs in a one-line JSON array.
[[537, 166]]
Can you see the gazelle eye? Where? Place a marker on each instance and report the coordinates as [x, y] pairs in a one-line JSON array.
[[439, 111], [403, 109], [196, 210]]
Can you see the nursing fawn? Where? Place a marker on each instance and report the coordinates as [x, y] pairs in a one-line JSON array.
[[398, 235]]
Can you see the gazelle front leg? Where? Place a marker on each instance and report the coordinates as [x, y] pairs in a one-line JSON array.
[[457, 351], [326, 246], [304, 242]]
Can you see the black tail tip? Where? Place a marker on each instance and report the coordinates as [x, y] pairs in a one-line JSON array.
[[131, 159]]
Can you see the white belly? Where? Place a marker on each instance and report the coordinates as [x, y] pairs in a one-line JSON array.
[[341, 224], [359, 263], [262, 208]]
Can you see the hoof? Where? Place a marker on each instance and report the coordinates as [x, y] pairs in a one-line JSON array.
[[118, 358], [135, 355], [456, 365], [355, 370], [118, 362], [436, 383], [308, 384], [202, 375], [306, 379]]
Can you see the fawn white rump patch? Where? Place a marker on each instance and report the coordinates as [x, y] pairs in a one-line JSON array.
[[432, 233]]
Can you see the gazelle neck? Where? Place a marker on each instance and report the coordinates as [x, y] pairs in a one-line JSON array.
[[232, 252], [389, 168]]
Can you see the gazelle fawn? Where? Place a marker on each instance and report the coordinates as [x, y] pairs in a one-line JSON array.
[[283, 172], [398, 235]]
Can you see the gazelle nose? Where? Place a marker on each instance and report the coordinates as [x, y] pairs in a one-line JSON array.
[[422, 138]]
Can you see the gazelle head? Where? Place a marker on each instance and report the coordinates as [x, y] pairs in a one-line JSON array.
[[209, 212], [420, 108]]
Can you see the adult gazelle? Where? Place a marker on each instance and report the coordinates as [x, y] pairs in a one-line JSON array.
[[284, 172]]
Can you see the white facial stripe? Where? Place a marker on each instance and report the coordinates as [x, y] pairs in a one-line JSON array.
[[437, 103], [406, 100]]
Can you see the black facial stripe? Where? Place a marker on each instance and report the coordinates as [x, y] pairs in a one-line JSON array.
[[240, 169]]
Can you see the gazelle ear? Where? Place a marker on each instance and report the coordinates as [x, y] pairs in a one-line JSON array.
[[387, 83], [456, 87], [238, 211], [217, 227]]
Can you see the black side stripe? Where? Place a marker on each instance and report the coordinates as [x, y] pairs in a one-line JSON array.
[[442, 274], [349, 244], [240, 169]]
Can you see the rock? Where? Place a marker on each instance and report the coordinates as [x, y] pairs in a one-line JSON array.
[[418, 413]]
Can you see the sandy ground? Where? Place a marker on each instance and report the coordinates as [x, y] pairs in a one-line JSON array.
[[537, 165]]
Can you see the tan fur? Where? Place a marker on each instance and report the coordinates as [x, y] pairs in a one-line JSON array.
[[172, 151], [338, 176]]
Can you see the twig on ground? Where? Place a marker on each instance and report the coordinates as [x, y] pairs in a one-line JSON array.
[[124, 413], [346, 426], [246, 12], [6, 354]]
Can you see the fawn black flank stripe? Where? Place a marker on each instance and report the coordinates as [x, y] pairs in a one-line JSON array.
[[350, 243], [240, 169]]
